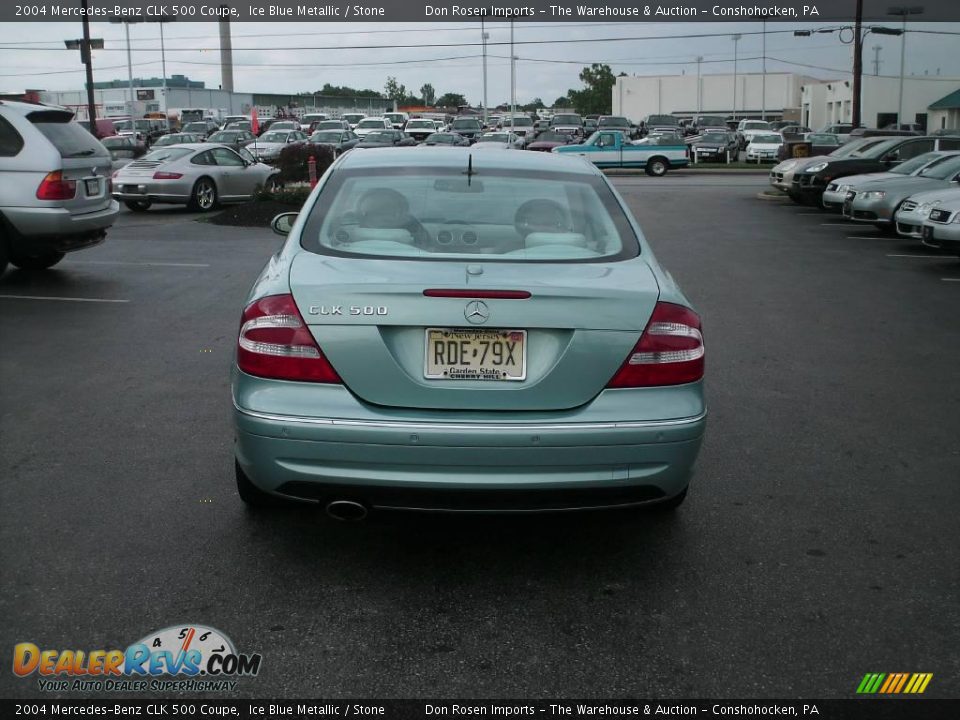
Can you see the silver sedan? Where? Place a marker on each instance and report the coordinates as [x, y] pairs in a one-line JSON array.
[[198, 175]]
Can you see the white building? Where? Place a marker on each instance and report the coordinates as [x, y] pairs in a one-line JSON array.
[[831, 101], [743, 95], [930, 101], [115, 101]]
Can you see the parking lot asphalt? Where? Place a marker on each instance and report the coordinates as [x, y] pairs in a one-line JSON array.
[[819, 541]]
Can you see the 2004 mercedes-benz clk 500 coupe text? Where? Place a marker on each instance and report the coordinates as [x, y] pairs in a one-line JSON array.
[[466, 331]]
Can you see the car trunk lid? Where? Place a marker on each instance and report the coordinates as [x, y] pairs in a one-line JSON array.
[[370, 318]]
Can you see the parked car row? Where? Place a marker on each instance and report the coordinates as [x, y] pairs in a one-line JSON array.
[[903, 185]]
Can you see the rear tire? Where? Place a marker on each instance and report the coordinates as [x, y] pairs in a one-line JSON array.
[[204, 195], [254, 497], [657, 167], [138, 205], [37, 262]]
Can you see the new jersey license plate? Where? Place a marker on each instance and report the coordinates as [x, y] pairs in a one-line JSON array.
[[468, 354]]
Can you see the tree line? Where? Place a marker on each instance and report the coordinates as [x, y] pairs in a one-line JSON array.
[[593, 98]]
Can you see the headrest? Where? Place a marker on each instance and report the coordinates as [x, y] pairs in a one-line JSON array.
[[397, 235]]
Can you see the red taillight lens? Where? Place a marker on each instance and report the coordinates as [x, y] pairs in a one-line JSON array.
[[275, 343], [167, 176], [54, 187], [670, 351]]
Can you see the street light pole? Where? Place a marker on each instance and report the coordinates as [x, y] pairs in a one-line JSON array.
[[126, 27], [513, 78], [736, 40], [763, 90], [699, 92]]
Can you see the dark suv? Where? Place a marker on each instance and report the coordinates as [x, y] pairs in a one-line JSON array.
[[810, 182]]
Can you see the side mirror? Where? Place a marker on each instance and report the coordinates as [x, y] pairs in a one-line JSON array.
[[283, 223]]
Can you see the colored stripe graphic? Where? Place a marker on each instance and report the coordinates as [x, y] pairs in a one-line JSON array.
[[894, 683]]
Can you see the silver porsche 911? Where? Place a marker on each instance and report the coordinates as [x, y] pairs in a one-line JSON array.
[[453, 330], [199, 175]]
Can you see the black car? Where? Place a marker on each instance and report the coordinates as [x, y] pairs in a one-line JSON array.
[[339, 140], [200, 127], [386, 138], [468, 127], [715, 147], [810, 182]]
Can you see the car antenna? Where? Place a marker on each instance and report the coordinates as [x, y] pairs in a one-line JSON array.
[[469, 173]]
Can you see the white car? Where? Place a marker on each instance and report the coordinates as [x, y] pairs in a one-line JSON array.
[[308, 119], [764, 146], [397, 119], [747, 129], [353, 119], [917, 208], [520, 125], [372, 124]]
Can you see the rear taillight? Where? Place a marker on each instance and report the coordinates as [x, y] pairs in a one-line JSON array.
[[54, 187], [670, 350], [167, 176], [275, 343]]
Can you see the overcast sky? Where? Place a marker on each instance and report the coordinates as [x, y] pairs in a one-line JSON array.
[[546, 70]]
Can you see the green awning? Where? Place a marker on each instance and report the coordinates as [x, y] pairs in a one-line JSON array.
[[950, 102]]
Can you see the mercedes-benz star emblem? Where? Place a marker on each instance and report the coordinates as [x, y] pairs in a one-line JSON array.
[[476, 312]]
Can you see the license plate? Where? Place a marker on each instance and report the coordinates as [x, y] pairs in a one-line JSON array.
[[93, 187], [927, 232], [468, 354]]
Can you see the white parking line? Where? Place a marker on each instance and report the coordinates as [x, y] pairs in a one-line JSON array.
[[928, 257], [146, 264], [950, 279], [809, 213], [66, 299], [846, 224], [868, 237]]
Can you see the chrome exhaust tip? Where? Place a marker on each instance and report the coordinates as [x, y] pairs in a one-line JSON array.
[[346, 510]]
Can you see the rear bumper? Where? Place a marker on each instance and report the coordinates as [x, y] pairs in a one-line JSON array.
[[59, 224], [463, 464]]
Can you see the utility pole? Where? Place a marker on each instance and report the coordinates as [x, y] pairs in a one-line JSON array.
[[876, 59], [857, 64], [87, 58], [484, 35], [126, 27]]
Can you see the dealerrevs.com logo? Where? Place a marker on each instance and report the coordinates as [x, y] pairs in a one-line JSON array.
[[193, 658]]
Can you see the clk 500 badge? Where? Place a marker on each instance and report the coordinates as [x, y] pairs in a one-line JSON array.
[[352, 310]]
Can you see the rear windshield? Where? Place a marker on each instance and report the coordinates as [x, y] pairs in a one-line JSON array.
[[226, 137], [69, 138], [466, 124], [327, 136], [438, 214], [664, 120], [420, 124], [613, 122], [566, 120], [371, 123]]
